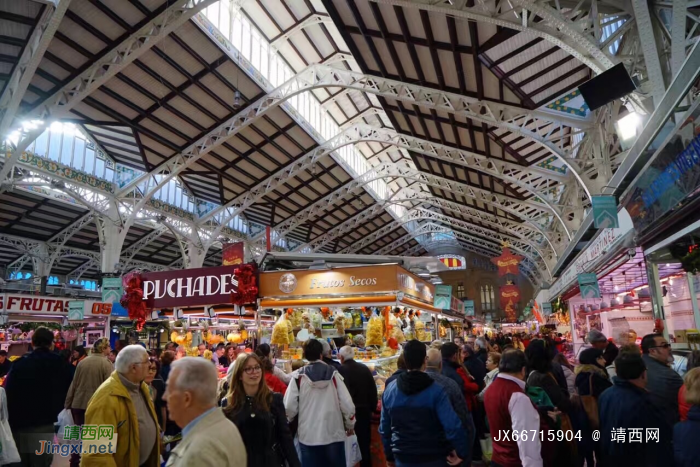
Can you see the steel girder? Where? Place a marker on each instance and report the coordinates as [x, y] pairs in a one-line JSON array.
[[527, 248], [28, 246], [62, 101], [32, 55], [529, 275], [525, 230], [537, 181], [512, 118], [132, 250], [347, 226], [520, 208], [645, 28], [78, 272], [385, 170], [559, 26], [431, 228], [311, 20], [44, 254]]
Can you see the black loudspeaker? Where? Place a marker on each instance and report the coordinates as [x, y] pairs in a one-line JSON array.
[[607, 86]]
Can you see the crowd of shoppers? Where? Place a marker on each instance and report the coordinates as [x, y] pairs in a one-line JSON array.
[[447, 404]]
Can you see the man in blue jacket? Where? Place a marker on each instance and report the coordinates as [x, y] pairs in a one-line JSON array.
[[627, 414], [419, 427]]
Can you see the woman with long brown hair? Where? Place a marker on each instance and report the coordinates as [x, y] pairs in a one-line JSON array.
[[259, 415]]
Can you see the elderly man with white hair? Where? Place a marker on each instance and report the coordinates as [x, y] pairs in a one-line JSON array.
[[363, 391], [124, 402], [482, 349], [327, 355], [208, 437]]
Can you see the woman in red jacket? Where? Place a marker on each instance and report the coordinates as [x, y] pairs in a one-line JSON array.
[[273, 382], [471, 388]]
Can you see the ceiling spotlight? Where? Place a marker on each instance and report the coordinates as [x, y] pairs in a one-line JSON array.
[[237, 100]]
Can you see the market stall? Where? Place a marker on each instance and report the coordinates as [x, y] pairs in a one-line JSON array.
[[75, 322], [386, 304]]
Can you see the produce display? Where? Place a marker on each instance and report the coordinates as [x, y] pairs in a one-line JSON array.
[[374, 331], [280, 333], [421, 335]]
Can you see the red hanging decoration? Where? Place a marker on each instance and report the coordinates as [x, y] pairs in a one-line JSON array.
[[508, 262], [509, 294], [132, 300], [247, 291]]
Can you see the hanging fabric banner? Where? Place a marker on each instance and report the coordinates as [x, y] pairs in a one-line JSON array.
[[508, 262], [510, 294], [232, 254]]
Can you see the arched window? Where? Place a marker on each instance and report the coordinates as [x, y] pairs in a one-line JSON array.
[[487, 297]]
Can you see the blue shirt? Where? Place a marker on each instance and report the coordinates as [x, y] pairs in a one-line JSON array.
[[195, 421]]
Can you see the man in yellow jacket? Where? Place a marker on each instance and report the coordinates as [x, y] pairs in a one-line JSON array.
[[123, 401]]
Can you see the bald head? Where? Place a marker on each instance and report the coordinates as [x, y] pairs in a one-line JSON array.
[[434, 359]]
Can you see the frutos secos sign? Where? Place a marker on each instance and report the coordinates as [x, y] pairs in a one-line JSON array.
[[288, 282]]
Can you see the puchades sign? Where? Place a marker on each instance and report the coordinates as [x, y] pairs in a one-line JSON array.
[[508, 262], [189, 287]]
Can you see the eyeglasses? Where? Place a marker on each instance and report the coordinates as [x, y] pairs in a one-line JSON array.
[[252, 369], [665, 345]]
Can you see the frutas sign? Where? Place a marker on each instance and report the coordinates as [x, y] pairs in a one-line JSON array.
[[189, 287], [33, 304]]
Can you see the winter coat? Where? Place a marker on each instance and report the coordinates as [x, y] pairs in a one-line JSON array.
[[477, 369], [663, 384], [265, 434], [361, 386], [483, 355], [625, 405], [686, 449], [459, 404], [89, 375], [570, 380], [548, 382], [36, 389], [471, 389], [418, 423], [111, 405], [213, 441], [591, 377], [449, 369], [322, 402]]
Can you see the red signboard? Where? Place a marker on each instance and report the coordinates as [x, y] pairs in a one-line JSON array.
[[232, 254], [188, 287], [33, 304], [36, 304], [99, 308]]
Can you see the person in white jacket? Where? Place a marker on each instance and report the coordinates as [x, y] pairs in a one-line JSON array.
[[326, 414]]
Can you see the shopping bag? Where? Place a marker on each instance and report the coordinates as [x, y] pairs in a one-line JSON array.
[[352, 451], [64, 419], [8, 448], [486, 448]]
